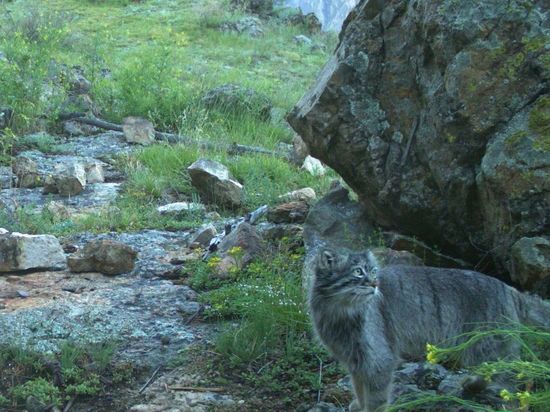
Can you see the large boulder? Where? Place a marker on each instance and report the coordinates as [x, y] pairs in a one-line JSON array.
[[20, 251], [215, 184], [436, 114]]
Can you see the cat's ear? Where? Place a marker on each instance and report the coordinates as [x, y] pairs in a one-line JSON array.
[[327, 259]]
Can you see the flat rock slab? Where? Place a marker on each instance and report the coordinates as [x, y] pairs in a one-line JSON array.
[[50, 165], [102, 146], [135, 312], [93, 197]]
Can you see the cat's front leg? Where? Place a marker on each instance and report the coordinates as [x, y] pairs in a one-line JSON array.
[[359, 388], [377, 391], [371, 394]]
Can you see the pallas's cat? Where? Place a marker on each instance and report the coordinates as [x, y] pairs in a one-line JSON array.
[[370, 321]]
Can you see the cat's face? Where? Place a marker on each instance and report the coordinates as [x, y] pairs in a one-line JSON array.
[[345, 276]]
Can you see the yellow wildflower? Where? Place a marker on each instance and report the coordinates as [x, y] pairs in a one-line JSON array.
[[214, 262], [524, 398], [431, 353], [504, 394]]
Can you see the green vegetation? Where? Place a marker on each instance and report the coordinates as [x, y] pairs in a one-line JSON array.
[[52, 379], [530, 373], [539, 123], [271, 349]]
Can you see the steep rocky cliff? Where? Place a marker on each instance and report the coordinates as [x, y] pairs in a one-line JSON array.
[[437, 114]]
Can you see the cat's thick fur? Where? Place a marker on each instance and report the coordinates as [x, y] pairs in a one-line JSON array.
[[370, 321]]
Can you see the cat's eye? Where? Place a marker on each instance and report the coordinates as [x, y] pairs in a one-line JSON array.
[[357, 272]]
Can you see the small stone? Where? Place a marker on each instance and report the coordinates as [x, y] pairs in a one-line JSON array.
[[180, 207], [213, 216], [307, 194], [58, 210], [94, 172], [138, 130], [26, 171], [244, 237], [22, 252], [215, 184], [291, 212], [6, 177], [23, 294], [313, 166], [204, 235], [105, 256], [66, 180], [302, 40]]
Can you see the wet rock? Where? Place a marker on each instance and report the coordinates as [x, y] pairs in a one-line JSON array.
[[23, 252], [292, 212], [249, 244], [67, 180], [307, 194], [139, 131], [450, 152], [215, 184], [237, 99], [94, 198], [52, 165], [204, 235], [6, 177], [181, 207], [26, 171], [531, 262], [104, 256], [313, 166]]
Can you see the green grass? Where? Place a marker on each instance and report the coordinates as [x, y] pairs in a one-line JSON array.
[[162, 58], [53, 379], [530, 373], [271, 349]]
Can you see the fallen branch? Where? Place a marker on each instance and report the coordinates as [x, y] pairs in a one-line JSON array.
[[195, 389], [232, 149], [150, 380]]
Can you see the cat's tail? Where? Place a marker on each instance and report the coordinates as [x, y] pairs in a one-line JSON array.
[[536, 311]]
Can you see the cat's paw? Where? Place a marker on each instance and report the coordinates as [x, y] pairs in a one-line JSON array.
[[355, 407]]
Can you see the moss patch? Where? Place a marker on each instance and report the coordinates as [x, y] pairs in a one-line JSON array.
[[539, 123]]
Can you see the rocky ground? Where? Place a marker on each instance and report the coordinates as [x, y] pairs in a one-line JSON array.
[[150, 316], [54, 290]]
